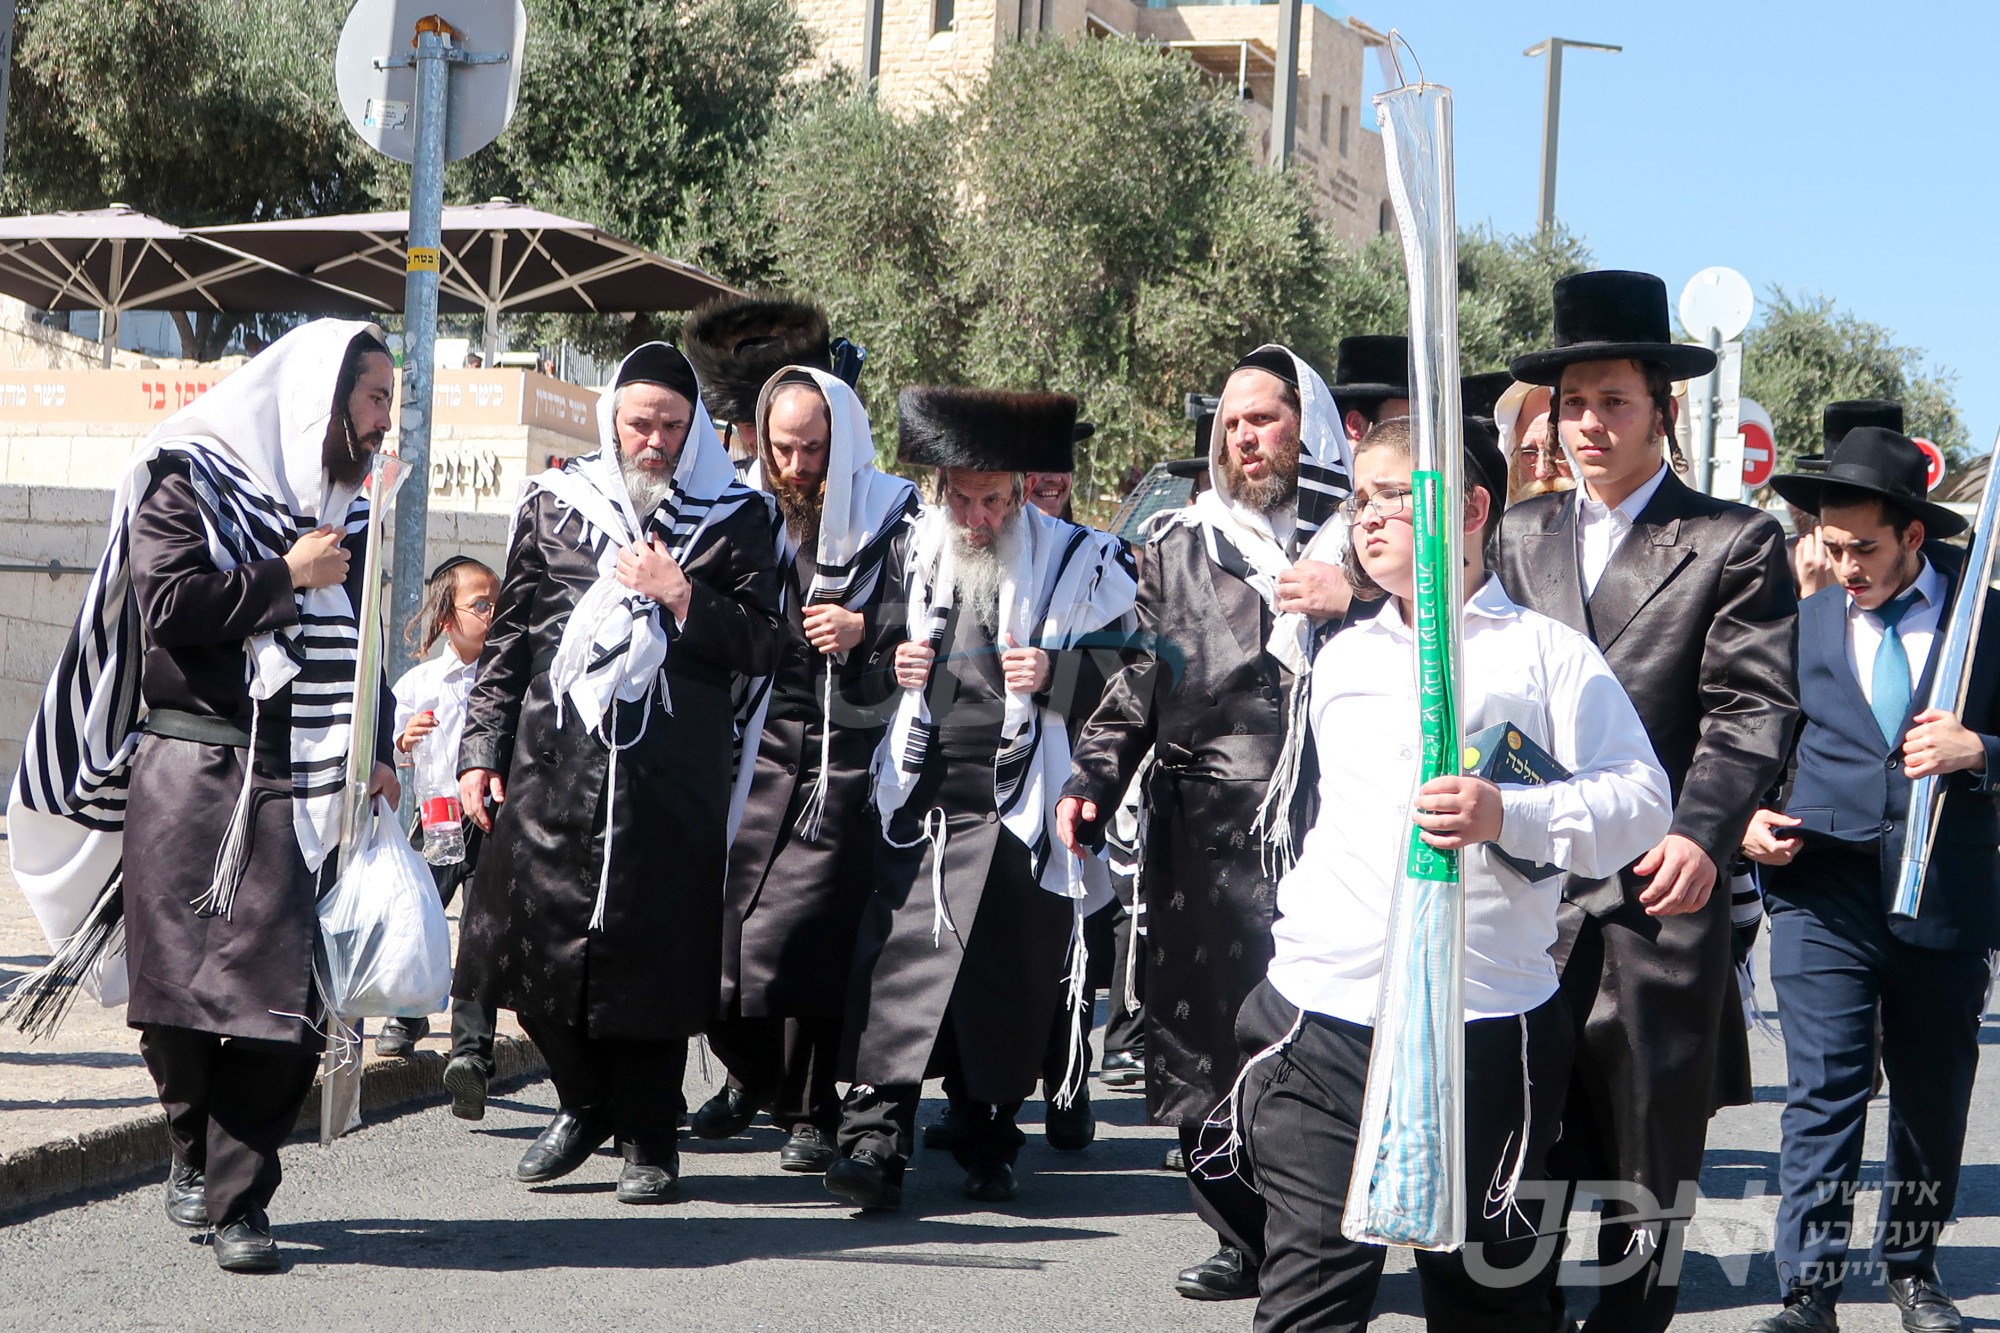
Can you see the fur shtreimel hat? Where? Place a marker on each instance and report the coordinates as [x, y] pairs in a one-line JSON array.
[[986, 430], [738, 342], [1836, 419]]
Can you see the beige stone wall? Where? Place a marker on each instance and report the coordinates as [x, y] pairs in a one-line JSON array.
[[26, 345], [67, 526]]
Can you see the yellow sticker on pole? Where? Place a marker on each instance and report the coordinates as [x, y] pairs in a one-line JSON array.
[[423, 259]]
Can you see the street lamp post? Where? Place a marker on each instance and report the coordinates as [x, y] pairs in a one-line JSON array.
[[1552, 47]]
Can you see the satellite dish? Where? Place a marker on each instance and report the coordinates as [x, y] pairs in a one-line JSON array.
[[381, 103], [1717, 298]]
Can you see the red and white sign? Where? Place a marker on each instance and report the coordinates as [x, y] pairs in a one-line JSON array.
[[1933, 456], [1760, 444]]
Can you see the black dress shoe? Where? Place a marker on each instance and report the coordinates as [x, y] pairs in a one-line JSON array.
[[809, 1150], [866, 1181], [245, 1245], [948, 1132], [187, 1196], [465, 1080], [1122, 1069], [1070, 1128], [992, 1182], [399, 1036], [1224, 1276], [1806, 1311], [564, 1146], [1924, 1306], [649, 1184], [1175, 1160], [725, 1115]]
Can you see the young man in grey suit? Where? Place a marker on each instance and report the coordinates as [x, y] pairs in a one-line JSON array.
[[1691, 601]]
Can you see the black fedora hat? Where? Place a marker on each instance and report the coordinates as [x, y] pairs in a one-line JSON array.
[[1370, 367], [1612, 315], [1876, 462], [1479, 394], [1836, 419]]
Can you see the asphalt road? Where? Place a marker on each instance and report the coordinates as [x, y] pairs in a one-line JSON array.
[[415, 1223]]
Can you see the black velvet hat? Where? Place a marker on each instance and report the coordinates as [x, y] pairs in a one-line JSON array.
[[1369, 368], [657, 363], [1877, 462], [1485, 465], [1612, 315], [986, 430], [1836, 419], [1188, 467], [1479, 394], [738, 342]]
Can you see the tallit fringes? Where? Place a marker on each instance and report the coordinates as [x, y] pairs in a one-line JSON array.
[[1274, 816], [1075, 1072], [42, 999], [232, 860], [814, 814]]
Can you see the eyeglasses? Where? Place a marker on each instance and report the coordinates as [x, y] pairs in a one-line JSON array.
[[483, 608], [1383, 504]]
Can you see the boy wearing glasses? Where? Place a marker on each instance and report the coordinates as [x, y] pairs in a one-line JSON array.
[[1310, 1025]]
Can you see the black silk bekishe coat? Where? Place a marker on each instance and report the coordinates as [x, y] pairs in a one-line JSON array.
[[1206, 699], [651, 973]]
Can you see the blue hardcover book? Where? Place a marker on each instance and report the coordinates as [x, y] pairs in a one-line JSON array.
[[1507, 757]]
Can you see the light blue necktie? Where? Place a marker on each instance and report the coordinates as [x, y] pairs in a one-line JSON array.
[[1890, 696]]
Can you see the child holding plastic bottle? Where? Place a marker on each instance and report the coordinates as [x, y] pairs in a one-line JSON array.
[[430, 714]]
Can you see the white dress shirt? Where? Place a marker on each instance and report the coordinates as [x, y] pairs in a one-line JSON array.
[[1601, 529], [1520, 667], [440, 684], [1917, 629]]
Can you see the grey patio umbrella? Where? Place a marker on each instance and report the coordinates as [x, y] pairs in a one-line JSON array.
[[116, 259], [498, 257]]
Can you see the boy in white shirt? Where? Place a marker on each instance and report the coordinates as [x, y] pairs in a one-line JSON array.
[[1301, 1105]]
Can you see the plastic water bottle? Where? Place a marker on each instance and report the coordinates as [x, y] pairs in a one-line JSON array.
[[437, 789]]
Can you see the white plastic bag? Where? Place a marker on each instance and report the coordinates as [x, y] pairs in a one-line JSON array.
[[384, 946]]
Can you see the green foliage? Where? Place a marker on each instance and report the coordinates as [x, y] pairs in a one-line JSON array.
[[1805, 353]]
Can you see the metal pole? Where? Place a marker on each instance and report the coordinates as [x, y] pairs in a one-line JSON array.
[[6, 66], [871, 42], [420, 306], [1285, 92], [1705, 415], [107, 324], [1551, 126]]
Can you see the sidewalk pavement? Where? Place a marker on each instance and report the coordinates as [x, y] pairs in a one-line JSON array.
[[79, 1110]]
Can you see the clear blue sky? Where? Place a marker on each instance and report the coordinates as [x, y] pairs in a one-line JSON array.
[[1833, 147]]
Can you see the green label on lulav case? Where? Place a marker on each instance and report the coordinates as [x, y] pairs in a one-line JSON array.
[[1436, 708]]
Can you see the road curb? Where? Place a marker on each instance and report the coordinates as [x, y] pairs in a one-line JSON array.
[[113, 1154]]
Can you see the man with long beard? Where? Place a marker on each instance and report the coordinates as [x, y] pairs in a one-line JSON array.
[[961, 958], [1230, 593], [183, 745], [802, 865], [639, 599]]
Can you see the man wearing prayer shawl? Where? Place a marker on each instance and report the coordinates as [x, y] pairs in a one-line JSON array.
[[975, 920], [803, 862], [1230, 592], [638, 606], [228, 589]]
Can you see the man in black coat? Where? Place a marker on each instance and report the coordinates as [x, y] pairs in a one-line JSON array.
[[1691, 601], [639, 599], [803, 861], [1219, 587], [1869, 655], [961, 959]]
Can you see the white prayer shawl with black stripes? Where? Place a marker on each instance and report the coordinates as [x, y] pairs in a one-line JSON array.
[[614, 647], [253, 446], [1064, 583], [1249, 544], [862, 511]]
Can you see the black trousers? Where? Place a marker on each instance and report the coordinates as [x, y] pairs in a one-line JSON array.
[[1125, 1025], [884, 1120], [1073, 1026], [639, 1081], [230, 1101], [787, 1064], [1301, 1110], [1833, 963], [472, 1021], [1225, 1200]]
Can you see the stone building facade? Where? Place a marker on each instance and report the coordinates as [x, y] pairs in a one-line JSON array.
[[931, 49]]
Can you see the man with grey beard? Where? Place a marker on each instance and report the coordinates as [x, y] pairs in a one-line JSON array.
[[962, 955], [1230, 593]]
